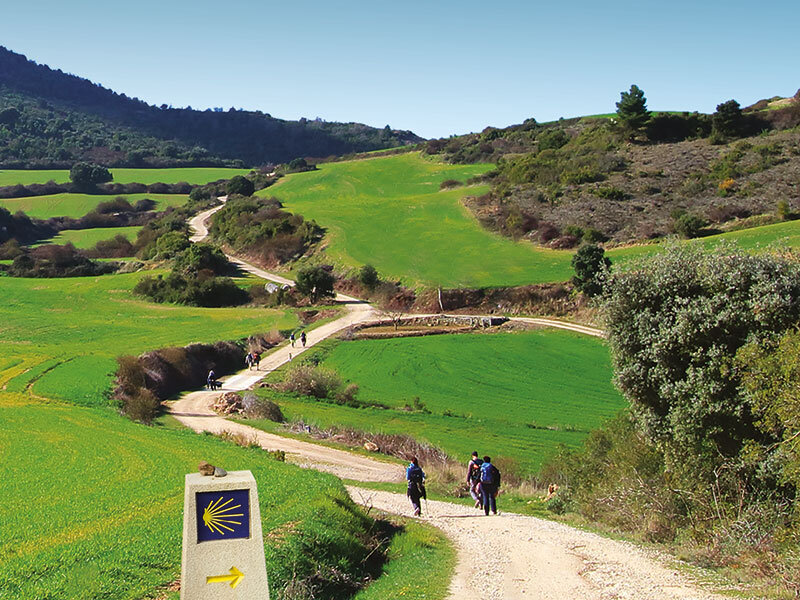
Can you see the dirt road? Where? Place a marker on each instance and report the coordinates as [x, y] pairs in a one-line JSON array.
[[503, 557]]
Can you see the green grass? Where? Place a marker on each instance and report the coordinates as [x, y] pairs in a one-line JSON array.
[[77, 205], [389, 212], [91, 505], [87, 238], [512, 395], [193, 175], [83, 323]]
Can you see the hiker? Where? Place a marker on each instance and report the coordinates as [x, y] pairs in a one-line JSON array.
[[211, 380], [248, 360], [416, 485], [490, 484], [292, 338], [303, 338], [256, 360], [474, 479]]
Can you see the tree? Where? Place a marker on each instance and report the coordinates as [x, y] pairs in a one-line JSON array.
[[315, 282], [86, 175], [632, 109], [675, 323], [689, 225], [368, 276], [728, 120], [9, 116], [241, 185], [589, 262]]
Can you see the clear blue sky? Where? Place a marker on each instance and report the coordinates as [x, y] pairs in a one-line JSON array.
[[438, 67]]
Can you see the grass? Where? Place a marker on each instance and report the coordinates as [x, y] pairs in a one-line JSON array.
[[77, 205], [87, 238], [77, 326], [390, 213], [91, 505], [512, 395], [193, 175]]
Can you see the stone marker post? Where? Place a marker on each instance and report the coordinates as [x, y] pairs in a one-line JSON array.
[[223, 547]]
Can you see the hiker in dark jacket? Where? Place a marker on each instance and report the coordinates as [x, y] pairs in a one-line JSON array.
[[474, 479], [490, 484], [416, 485]]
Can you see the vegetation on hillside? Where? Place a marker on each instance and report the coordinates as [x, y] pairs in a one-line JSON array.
[[52, 119], [631, 177], [706, 456]]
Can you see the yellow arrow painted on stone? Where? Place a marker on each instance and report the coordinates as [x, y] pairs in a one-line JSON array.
[[234, 578]]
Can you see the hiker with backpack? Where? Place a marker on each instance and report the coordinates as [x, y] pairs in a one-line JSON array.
[[248, 360], [416, 485], [257, 360], [303, 338], [291, 338], [490, 484], [474, 479], [211, 380]]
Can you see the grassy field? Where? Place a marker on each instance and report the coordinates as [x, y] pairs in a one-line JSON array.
[[389, 212], [60, 336], [91, 509], [87, 238], [515, 395], [193, 175], [77, 205]]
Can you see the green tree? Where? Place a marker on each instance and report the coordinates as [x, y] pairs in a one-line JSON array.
[[86, 175], [675, 323], [632, 109], [589, 262], [241, 185], [368, 276], [315, 282], [728, 120], [199, 257], [688, 225]]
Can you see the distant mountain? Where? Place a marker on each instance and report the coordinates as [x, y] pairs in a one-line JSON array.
[[52, 119]]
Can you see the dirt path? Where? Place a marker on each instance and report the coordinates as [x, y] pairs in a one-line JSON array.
[[504, 557]]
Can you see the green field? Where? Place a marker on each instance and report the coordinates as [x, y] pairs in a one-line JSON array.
[[77, 205], [87, 238], [65, 333], [389, 212], [514, 395], [193, 175], [92, 503]]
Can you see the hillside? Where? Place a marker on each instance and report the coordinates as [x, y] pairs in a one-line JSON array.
[[556, 183], [52, 119]]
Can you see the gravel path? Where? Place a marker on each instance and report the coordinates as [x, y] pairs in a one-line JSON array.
[[503, 557]]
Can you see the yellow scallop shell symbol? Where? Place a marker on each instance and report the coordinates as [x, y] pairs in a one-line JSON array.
[[218, 515]]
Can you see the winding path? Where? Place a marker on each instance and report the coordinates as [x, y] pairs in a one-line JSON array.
[[504, 557]]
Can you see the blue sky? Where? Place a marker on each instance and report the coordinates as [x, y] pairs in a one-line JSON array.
[[436, 67]]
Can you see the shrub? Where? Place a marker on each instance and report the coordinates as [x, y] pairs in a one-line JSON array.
[[589, 262], [689, 225], [141, 406], [609, 193], [117, 247], [728, 120], [726, 186], [311, 381], [449, 184], [241, 185], [552, 139], [315, 282], [368, 277], [87, 176]]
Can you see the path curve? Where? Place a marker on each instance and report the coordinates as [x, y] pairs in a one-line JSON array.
[[504, 557]]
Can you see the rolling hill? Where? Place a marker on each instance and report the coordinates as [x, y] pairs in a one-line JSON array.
[[49, 118]]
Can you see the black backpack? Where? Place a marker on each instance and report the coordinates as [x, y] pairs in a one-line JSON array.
[[475, 473]]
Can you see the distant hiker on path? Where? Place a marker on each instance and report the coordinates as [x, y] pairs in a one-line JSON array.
[[416, 485], [474, 479], [256, 360], [292, 338], [248, 360], [303, 338], [490, 484], [211, 380]]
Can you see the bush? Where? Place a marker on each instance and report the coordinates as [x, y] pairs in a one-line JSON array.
[[241, 186], [449, 184], [590, 263], [87, 176], [315, 282], [610, 193], [368, 277], [199, 257], [689, 225], [311, 381], [552, 139]]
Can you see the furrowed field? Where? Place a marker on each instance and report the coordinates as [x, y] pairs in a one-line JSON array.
[[515, 395], [60, 336], [77, 205], [193, 175], [389, 212]]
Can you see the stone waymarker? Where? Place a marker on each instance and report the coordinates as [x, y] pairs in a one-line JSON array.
[[223, 547]]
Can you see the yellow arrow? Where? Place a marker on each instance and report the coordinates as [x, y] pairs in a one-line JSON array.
[[234, 578]]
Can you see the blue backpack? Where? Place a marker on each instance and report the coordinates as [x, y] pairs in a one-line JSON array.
[[488, 473]]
